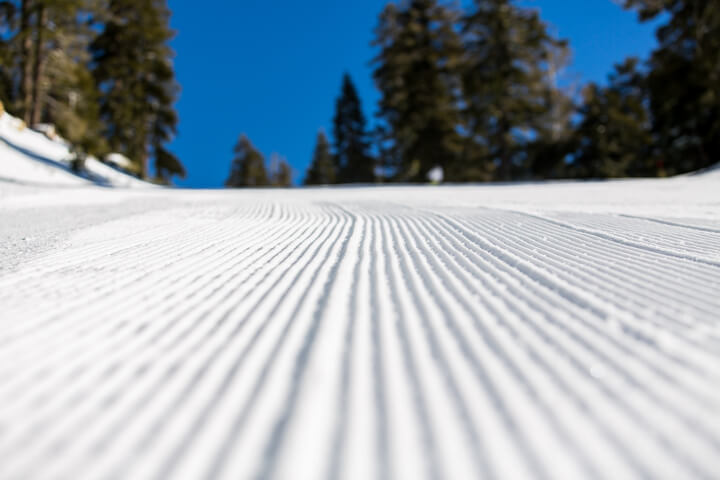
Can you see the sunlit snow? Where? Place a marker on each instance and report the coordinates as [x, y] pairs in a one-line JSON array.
[[553, 330]]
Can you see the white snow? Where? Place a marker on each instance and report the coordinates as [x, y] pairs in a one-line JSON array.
[[436, 175], [553, 331], [119, 159], [30, 156]]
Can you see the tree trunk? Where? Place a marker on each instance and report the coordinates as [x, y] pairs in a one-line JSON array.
[[144, 166], [38, 68], [505, 159], [26, 52]]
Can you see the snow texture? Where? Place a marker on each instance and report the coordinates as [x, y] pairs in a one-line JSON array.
[[29, 157], [549, 331]]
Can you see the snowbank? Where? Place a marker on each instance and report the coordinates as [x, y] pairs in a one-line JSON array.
[[30, 157]]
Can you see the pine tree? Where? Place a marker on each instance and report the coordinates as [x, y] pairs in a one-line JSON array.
[[416, 73], [25, 38], [280, 171], [8, 19], [164, 125], [133, 69], [614, 138], [684, 82], [44, 54], [167, 165], [248, 166], [352, 158], [553, 130], [507, 84], [66, 93], [322, 168]]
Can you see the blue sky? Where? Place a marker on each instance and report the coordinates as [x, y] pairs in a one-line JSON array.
[[272, 69]]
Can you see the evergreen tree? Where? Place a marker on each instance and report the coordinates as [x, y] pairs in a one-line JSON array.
[[322, 168], [164, 125], [280, 171], [248, 166], [684, 82], [8, 19], [72, 106], [133, 69], [25, 38], [66, 93], [416, 73], [508, 84], [614, 138], [167, 165], [352, 158], [44, 60], [553, 130]]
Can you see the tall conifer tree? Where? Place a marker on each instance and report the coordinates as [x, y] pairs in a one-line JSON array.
[[280, 172], [44, 50], [684, 82], [416, 73], [248, 166], [8, 56], [322, 169], [66, 93], [506, 82], [614, 139], [133, 68], [352, 157]]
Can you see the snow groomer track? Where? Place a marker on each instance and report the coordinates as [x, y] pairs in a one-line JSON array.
[[557, 331]]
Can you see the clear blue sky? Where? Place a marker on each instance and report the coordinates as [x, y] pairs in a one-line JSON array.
[[272, 69]]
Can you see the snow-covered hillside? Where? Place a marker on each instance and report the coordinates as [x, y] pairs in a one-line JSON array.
[[30, 157], [554, 331]]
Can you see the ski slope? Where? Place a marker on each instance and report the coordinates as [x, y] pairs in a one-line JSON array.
[[549, 331]]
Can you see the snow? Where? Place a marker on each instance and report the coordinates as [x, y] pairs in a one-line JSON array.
[[30, 156], [436, 175], [119, 159], [553, 330]]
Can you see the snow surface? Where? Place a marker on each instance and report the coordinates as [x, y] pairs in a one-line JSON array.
[[550, 331], [29, 157]]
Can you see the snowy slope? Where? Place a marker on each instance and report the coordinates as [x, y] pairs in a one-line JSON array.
[[550, 331], [29, 157]]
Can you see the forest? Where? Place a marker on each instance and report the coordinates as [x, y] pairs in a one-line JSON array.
[[99, 71], [478, 93], [475, 91]]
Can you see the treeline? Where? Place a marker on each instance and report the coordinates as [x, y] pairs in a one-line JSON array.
[[349, 160], [476, 93], [249, 168], [100, 71]]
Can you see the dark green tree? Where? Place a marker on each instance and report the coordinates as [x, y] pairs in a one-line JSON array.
[[72, 105], [66, 93], [167, 165], [8, 21], [24, 41], [509, 87], [322, 168], [164, 124], [684, 82], [44, 59], [553, 131], [352, 156], [416, 73], [248, 166], [132, 66], [614, 138], [280, 171]]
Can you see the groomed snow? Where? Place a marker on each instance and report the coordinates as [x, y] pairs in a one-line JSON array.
[[550, 331]]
